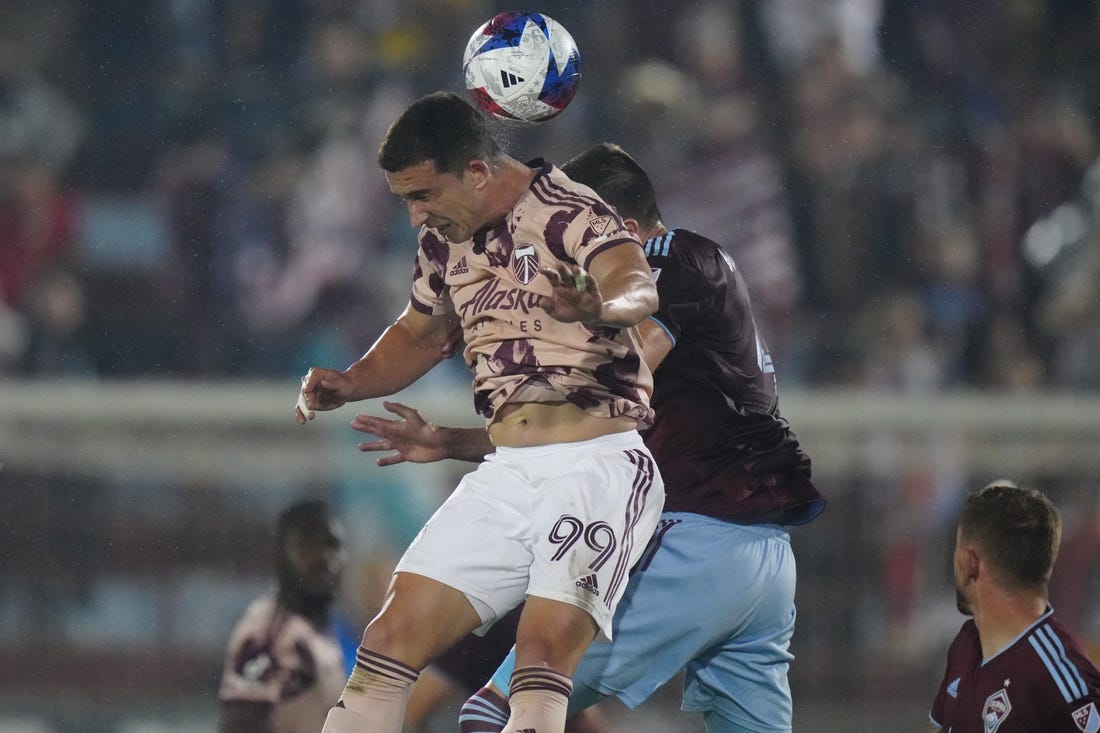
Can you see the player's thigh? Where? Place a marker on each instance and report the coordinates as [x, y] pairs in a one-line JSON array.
[[716, 723], [725, 570], [599, 503], [478, 541], [743, 677], [420, 618]]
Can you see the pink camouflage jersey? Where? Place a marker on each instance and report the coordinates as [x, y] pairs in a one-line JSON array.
[[517, 352], [280, 658]]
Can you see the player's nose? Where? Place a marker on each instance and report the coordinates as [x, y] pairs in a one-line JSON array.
[[418, 214]]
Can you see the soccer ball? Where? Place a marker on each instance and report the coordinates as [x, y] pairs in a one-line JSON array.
[[522, 68]]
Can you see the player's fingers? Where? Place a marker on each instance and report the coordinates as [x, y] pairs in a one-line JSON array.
[[409, 414], [580, 279], [391, 460], [373, 446], [552, 275], [373, 425], [302, 413]]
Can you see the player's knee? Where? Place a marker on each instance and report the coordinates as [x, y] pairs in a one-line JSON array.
[[409, 638], [553, 636]]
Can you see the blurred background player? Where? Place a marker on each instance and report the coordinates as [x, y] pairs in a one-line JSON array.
[[284, 667], [1013, 667], [734, 473]]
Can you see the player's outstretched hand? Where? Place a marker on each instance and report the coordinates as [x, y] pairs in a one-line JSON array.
[[412, 438], [322, 389], [575, 295]]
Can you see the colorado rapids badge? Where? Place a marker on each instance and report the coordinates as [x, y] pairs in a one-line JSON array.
[[996, 709]]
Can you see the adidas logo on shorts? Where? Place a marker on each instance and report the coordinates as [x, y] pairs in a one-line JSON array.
[[588, 582]]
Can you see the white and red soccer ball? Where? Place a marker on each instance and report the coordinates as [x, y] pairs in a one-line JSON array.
[[522, 68]]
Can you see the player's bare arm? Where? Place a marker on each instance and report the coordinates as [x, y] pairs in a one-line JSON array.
[[405, 351], [416, 440], [617, 290], [656, 343]]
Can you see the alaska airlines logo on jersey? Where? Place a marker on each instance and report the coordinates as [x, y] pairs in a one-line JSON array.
[[460, 268], [996, 709], [489, 296], [599, 224], [525, 262], [1087, 719], [953, 688], [656, 273]]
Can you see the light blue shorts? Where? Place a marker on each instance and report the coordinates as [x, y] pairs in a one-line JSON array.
[[710, 597]]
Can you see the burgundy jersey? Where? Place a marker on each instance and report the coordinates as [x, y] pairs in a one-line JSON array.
[[517, 352], [280, 658], [722, 447], [1040, 683]]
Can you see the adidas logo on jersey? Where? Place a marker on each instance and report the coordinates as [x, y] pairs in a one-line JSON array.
[[588, 582], [460, 268]]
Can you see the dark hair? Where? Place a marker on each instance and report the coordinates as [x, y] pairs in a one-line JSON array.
[[300, 516], [609, 171], [1018, 528], [442, 128]]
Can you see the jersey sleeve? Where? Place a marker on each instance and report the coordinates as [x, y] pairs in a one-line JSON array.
[[429, 294], [935, 715], [594, 230], [684, 291]]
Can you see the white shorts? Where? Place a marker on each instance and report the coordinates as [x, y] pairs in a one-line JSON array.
[[564, 521]]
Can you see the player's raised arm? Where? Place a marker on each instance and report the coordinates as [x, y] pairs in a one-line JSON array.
[[405, 351], [626, 284], [617, 291]]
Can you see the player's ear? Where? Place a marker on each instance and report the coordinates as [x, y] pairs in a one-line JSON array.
[[478, 170], [973, 566], [632, 226]]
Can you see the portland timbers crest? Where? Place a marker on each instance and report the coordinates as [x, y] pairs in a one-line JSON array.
[[525, 262]]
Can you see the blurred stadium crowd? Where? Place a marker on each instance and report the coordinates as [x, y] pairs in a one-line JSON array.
[[188, 187]]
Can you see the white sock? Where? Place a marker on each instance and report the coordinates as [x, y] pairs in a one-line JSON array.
[[539, 700], [374, 698]]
